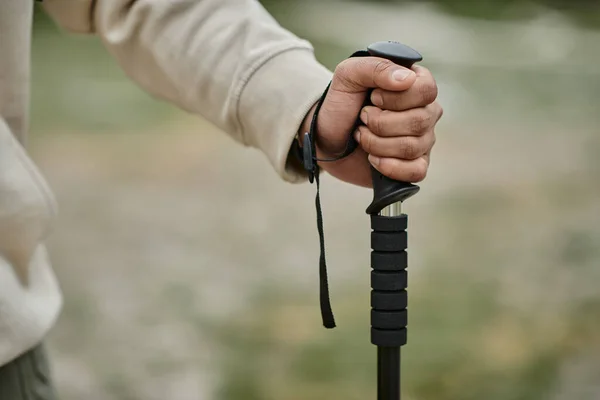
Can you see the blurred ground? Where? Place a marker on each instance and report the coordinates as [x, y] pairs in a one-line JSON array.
[[190, 270]]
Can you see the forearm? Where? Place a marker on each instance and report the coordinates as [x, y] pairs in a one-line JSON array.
[[226, 60]]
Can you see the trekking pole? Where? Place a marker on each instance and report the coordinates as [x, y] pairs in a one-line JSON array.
[[388, 256], [388, 240]]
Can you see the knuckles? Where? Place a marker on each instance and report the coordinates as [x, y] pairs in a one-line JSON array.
[[428, 91], [341, 70], [405, 147], [354, 74], [380, 122], [381, 67], [420, 121], [418, 172], [410, 149], [414, 172], [343, 75], [415, 123], [423, 93]]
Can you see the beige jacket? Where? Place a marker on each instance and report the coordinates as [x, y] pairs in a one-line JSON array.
[[226, 60]]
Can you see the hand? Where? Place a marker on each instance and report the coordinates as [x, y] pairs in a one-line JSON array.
[[398, 131]]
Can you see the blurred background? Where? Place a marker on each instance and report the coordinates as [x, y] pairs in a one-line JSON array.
[[190, 271]]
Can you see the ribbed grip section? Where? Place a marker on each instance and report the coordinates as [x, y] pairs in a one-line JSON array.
[[388, 280]]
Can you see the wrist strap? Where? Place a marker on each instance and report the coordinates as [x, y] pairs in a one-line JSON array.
[[307, 156]]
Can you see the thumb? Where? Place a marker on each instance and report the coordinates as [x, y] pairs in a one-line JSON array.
[[357, 75], [351, 81]]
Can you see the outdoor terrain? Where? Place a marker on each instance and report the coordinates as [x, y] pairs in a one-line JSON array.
[[190, 270]]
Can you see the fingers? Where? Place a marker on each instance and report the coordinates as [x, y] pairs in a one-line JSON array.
[[412, 171], [399, 129], [403, 147], [424, 91], [413, 122], [399, 143], [352, 79], [358, 74]]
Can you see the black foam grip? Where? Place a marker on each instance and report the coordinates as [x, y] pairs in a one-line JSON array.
[[388, 338], [389, 224], [388, 241], [389, 300], [388, 281], [389, 319], [386, 261]]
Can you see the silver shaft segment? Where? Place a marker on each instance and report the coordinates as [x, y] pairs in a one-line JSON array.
[[393, 210]]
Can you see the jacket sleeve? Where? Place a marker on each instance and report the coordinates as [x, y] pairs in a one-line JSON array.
[[226, 60]]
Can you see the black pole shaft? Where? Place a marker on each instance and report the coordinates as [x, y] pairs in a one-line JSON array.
[[388, 373], [388, 300]]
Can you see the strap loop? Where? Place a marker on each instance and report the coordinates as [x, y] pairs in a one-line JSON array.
[[309, 160]]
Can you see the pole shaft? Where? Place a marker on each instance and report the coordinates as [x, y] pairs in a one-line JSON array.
[[388, 296], [388, 369], [393, 210]]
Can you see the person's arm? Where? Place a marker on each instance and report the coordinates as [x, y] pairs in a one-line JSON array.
[[226, 60], [230, 61]]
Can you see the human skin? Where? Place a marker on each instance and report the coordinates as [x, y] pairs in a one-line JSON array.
[[398, 130]]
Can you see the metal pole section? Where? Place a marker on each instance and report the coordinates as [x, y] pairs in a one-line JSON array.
[[393, 210], [388, 358]]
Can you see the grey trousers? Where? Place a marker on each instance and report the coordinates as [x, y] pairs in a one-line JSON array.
[[27, 377]]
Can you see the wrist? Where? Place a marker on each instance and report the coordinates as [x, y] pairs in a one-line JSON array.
[[352, 169], [323, 149], [305, 126]]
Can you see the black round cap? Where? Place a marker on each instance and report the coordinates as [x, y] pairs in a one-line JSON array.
[[396, 52]]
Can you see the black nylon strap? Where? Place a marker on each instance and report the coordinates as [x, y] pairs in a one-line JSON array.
[[307, 156], [325, 302]]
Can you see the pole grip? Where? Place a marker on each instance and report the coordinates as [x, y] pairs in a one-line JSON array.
[[387, 191], [389, 316]]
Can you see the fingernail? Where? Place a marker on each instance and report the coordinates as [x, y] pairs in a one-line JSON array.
[[377, 99], [357, 135], [401, 74], [374, 160], [364, 117]]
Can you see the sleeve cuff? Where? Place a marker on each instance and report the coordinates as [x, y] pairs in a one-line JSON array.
[[274, 103]]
